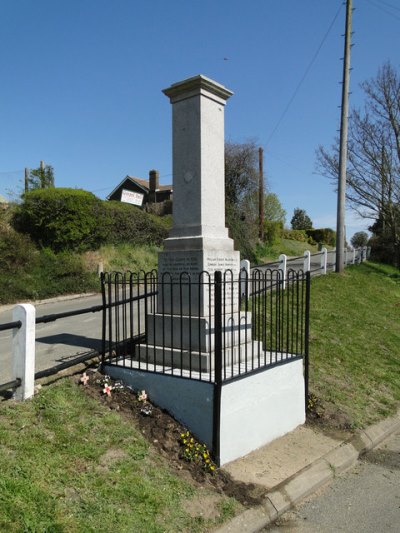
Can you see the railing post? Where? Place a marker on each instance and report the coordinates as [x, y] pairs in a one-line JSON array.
[[217, 366], [365, 250], [324, 259], [354, 256], [368, 251], [307, 339], [244, 276], [307, 261], [23, 350], [345, 257], [282, 261]]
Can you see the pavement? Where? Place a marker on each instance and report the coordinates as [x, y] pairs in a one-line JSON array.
[[296, 465]]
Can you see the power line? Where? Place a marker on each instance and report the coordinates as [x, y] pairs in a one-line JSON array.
[[378, 6], [390, 5], [304, 75], [12, 171]]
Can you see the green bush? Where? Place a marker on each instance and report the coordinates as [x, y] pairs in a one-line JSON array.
[[322, 235], [73, 219], [124, 223], [16, 250], [61, 219], [295, 235], [244, 232], [273, 231]]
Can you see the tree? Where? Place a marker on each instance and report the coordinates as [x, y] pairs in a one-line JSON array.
[[241, 195], [41, 178], [241, 171], [273, 210], [300, 219], [373, 167], [359, 239]]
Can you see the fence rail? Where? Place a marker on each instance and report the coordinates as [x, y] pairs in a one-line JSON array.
[[10, 325], [350, 257]]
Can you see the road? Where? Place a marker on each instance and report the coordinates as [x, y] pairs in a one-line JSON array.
[[364, 500], [56, 341]]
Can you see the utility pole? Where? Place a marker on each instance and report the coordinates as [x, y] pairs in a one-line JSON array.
[[261, 192], [26, 188], [341, 200], [42, 174]]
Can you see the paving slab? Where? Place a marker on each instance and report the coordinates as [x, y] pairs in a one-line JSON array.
[[276, 462]]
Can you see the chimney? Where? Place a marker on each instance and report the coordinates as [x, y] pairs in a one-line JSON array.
[[153, 181]]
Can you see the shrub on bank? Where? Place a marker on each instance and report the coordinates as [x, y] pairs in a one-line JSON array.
[[322, 235], [61, 219], [73, 219], [124, 223]]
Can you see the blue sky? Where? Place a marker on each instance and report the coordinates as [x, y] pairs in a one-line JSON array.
[[81, 85]]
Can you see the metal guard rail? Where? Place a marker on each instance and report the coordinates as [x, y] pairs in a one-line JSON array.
[[10, 325], [95, 309], [10, 385]]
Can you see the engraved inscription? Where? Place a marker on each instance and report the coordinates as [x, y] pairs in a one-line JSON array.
[[176, 264]]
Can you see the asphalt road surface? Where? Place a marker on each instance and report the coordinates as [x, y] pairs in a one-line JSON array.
[[364, 500], [57, 341]]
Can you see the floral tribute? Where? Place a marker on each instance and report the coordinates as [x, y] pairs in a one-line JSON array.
[[193, 451], [84, 379]]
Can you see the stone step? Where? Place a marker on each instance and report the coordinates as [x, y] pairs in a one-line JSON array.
[[198, 360], [197, 333]]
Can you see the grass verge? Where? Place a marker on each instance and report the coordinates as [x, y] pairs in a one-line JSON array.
[[70, 464], [271, 252], [355, 344]]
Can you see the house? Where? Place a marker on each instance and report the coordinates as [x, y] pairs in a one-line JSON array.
[[141, 192]]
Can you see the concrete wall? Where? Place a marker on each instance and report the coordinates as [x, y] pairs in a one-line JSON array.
[[254, 410], [260, 408], [189, 401]]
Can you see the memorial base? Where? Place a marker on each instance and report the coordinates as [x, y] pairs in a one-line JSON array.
[[195, 360]]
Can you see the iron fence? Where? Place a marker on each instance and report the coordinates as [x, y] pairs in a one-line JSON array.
[[204, 327]]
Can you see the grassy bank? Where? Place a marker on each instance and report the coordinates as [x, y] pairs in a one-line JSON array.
[[70, 464], [355, 344], [32, 274], [266, 253]]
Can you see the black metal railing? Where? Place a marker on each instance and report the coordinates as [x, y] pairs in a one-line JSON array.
[[175, 324]]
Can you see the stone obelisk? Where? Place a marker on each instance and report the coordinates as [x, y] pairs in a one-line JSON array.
[[199, 239], [181, 329]]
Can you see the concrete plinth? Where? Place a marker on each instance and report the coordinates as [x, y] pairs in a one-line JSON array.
[[197, 333], [195, 360]]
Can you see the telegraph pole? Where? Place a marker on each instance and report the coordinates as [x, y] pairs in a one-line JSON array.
[[341, 200], [26, 187], [261, 192]]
